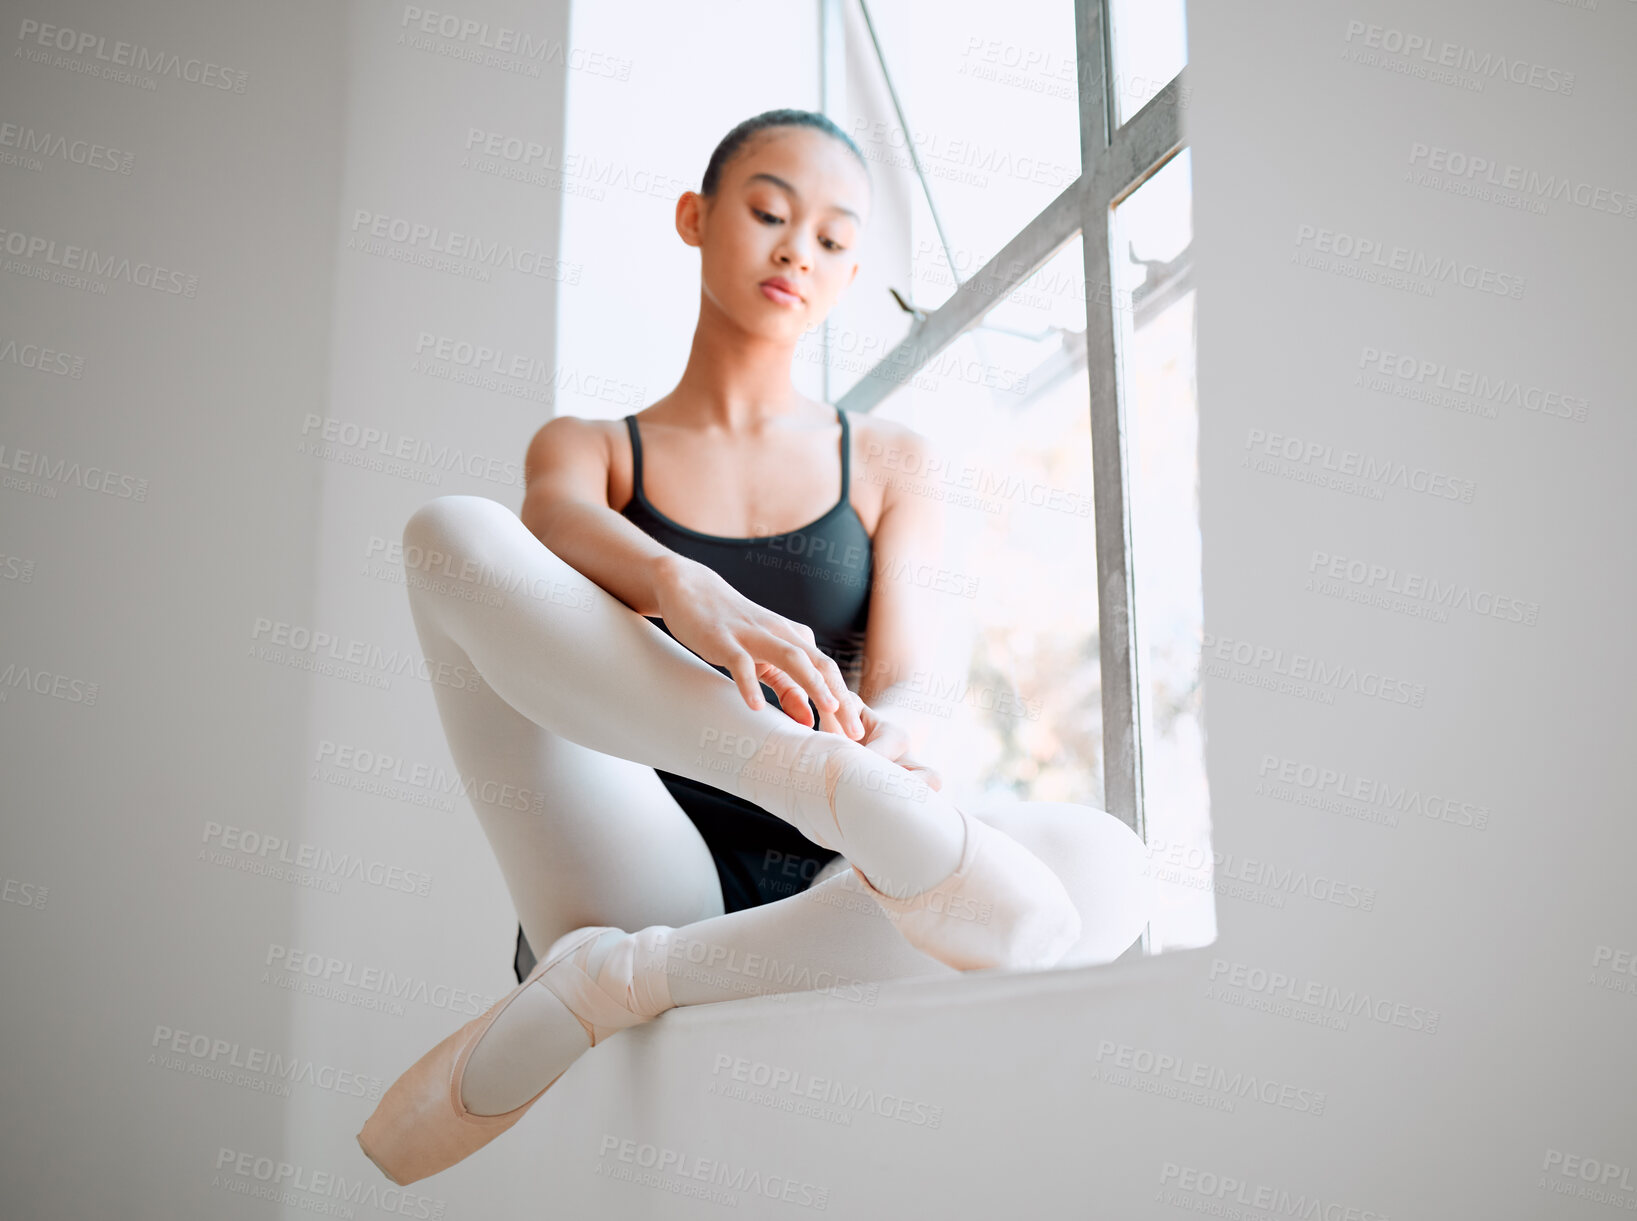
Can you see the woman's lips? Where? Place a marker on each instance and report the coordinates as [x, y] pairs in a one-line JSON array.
[[774, 293]]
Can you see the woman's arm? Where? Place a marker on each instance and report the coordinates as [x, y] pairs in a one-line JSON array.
[[907, 544], [566, 507]]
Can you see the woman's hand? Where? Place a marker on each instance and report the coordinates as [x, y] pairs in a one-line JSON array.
[[721, 625], [888, 739]]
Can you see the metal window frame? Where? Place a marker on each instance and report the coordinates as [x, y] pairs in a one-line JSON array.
[[1115, 159]]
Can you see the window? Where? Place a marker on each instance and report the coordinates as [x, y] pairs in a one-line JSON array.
[[1051, 348]]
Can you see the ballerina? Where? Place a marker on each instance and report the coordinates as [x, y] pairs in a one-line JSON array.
[[730, 814]]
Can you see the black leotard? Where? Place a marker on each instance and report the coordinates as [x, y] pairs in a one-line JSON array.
[[819, 575]]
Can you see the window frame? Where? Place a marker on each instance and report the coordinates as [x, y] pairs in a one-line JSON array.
[[1115, 159]]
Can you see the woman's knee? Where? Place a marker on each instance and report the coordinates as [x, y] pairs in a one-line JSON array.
[[1102, 863], [452, 525]]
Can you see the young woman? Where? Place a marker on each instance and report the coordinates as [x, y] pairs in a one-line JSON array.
[[728, 813]]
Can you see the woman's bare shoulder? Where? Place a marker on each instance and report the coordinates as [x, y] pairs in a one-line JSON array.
[[570, 437], [573, 451], [887, 446]]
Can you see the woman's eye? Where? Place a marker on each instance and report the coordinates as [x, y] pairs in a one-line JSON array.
[[830, 244]]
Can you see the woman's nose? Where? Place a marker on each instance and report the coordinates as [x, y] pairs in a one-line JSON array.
[[795, 251]]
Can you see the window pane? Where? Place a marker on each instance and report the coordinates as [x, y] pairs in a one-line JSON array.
[[990, 98], [1018, 715], [1155, 317], [1150, 47]]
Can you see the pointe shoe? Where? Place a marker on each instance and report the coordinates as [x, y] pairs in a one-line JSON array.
[[1000, 907], [420, 1126]]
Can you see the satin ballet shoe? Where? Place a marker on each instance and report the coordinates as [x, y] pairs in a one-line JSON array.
[[421, 1127], [1001, 906]]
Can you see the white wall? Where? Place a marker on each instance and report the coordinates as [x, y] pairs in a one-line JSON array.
[[227, 916], [118, 931]]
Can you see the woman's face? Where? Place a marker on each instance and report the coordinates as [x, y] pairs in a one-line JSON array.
[[791, 205]]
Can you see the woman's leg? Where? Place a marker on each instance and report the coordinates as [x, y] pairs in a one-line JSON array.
[[835, 937], [616, 697], [572, 658], [832, 937], [581, 837]]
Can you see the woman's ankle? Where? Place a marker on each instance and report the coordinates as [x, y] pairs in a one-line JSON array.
[[631, 968], [840, 794]]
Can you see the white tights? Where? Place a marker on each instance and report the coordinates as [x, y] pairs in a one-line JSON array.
[[581, 698]]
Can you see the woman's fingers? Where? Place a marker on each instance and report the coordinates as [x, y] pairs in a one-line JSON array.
[[791, 696], [930, 775], [891, 740], [887, 738], [742, 666], [846, 701], [829, 724], [795, 661], [783, 654]]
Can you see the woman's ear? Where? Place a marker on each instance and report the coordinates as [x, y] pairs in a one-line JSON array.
[[690, 218]]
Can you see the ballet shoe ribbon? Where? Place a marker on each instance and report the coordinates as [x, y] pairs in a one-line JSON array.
[[599, 1009]]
